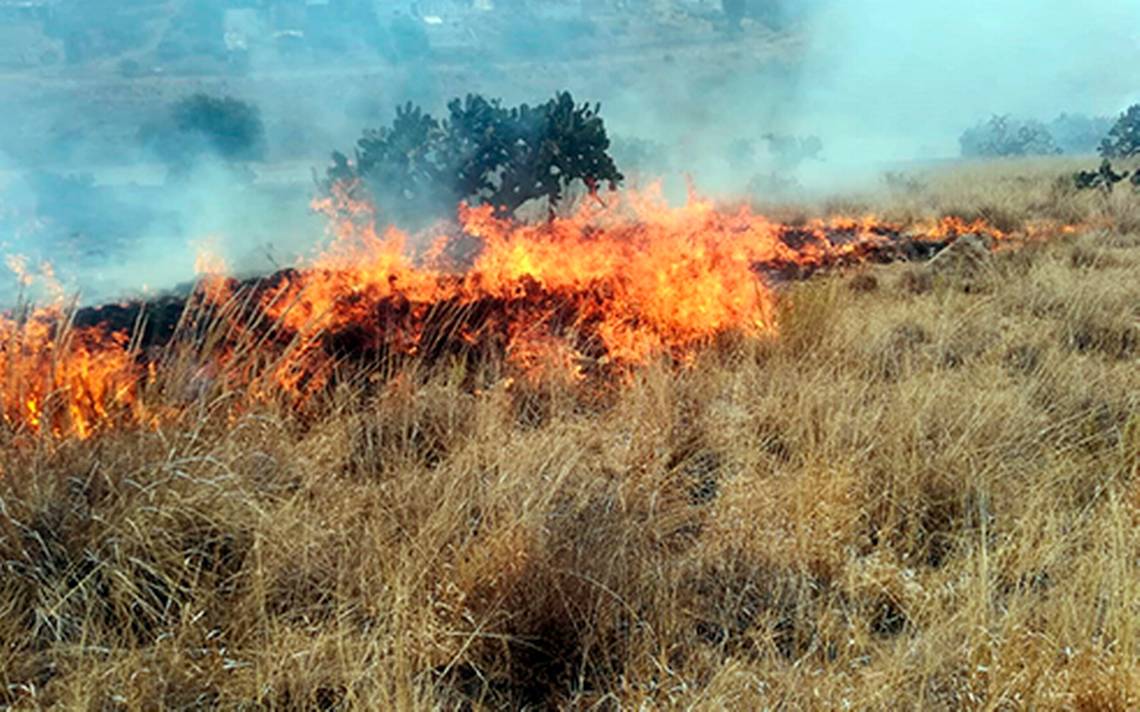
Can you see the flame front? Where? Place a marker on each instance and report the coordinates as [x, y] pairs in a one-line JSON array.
[[64, 382], [613, 285]]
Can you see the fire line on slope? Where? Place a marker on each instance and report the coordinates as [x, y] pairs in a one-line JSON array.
[[604, 289]]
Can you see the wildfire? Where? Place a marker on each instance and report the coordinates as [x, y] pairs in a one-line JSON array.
[[64, 381], [608, 287]]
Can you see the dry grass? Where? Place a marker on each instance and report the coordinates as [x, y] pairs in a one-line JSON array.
[[914, 498], [1009, 193]]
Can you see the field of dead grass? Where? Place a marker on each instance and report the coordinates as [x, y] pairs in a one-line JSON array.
[[924, 494]]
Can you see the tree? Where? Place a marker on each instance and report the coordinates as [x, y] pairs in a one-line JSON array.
[[1078, 134], [482, 152], [1003, 136], [1124, 138], [199, 126]]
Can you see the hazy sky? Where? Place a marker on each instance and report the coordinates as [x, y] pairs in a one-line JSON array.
[[903, 78]]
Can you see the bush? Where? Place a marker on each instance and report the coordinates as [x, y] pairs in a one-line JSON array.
[[1104, 178], [791, 151], [482, 153], [1003, 136], [202, 125], [1124, 138]]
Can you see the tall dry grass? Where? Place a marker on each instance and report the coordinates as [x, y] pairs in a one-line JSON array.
[[924, 494]]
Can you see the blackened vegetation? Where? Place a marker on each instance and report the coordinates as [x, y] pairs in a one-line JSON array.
[[483, 152], [896, 246], [1104, 178], [154, 322]]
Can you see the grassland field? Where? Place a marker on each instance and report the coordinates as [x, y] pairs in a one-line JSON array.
[[922, 494]]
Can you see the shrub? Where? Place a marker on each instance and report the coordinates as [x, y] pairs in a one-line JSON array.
[[1104, 178], [1004, 136], [1124, 138], [482, 153], [202, 125]]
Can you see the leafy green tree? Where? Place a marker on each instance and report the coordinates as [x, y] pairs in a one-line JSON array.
[[483, 152], [1123, 139]]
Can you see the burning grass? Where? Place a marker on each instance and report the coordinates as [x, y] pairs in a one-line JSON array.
[[591, 294], [900, 497]]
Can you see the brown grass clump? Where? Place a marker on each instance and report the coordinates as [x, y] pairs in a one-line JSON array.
[[913, 498]]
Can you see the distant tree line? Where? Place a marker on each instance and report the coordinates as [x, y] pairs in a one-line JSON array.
[[1072, 134]]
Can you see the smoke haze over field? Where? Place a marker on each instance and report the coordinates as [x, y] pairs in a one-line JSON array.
[[879, 82], [900, 80]]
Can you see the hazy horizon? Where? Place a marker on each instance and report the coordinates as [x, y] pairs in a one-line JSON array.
[[879, 83]]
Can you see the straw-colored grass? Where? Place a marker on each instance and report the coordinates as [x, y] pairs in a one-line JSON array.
[[919, 496]]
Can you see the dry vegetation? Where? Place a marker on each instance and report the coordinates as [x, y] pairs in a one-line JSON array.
[[924, 494]]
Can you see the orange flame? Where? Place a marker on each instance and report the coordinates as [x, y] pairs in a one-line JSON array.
[[60, 381], [613, 284]]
